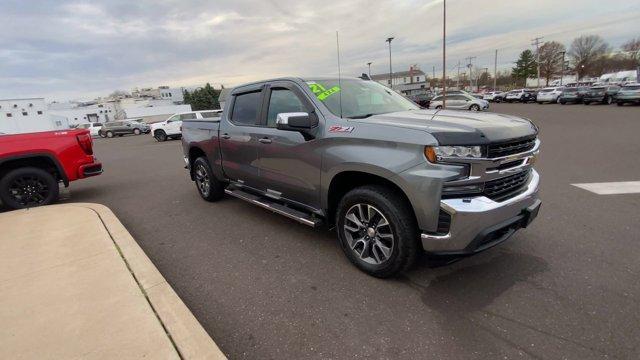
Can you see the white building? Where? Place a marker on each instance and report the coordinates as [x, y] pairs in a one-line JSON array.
[[175, 95], [78, 114], [27, 115], [414, 75], [152, 114]]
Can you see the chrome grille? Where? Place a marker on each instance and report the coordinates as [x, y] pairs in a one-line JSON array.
[[511, 147], [506, 187]]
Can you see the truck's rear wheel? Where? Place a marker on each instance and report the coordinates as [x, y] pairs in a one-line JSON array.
[[208, 186], [28, 187], [377, 230], [160, 135]]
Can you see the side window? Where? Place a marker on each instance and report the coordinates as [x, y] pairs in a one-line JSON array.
[[173, 118], [283, 101], [189, 116], [210, 114], [97, 124], [245, 108]]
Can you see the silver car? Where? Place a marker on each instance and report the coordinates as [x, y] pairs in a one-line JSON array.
[[460, 101]]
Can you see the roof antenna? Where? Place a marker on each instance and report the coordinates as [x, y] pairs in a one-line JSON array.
[[339, 73]]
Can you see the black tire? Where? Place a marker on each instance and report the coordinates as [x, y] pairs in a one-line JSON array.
[[608, 100], [109, 134], [620, 103], [402, 226], [439, 107], [210, 188], [474, 107], [160, 135], [586, 102], [562, 102], [137, 131], [28, 187]]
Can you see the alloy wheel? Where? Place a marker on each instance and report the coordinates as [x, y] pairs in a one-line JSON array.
[[368, 233], [202, 180], [29, 190]]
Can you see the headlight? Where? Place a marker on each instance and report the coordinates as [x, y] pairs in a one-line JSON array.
[[434, 153]]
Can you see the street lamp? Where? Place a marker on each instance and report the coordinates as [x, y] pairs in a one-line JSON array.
[[390, 68], [369, 64]]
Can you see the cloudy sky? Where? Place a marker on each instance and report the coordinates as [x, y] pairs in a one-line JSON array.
[[81, 49]]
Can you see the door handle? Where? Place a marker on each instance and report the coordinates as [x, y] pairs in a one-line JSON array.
[[265, 140], [225, 136]]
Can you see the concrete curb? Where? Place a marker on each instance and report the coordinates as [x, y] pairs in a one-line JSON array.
[[189, 338]]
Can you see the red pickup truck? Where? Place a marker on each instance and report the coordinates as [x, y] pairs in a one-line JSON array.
[[32, 165]]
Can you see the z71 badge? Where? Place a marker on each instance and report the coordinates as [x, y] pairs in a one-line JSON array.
[[341, 129]]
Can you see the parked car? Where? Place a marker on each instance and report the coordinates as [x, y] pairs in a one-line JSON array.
[[628, 94], [422, 99], [521, 95], [549, 95], [460, 102], [604, 94], [391, 178], [572, 95], [494, 96], [123, 127], [94, 128], [32, 165], [171, 128]]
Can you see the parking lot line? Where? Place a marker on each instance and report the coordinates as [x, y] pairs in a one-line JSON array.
[[611, 188]]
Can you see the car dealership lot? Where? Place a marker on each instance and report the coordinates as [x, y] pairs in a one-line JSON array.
[[265, 286]]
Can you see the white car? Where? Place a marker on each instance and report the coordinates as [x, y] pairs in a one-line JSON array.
[[94, 128], [550, 95], [460, 101], [171, 128], [495, 96]]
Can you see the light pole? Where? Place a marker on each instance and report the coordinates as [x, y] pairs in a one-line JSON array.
[[369, 64], [486, 78], [562, 71], [389, 40], [444, 54]]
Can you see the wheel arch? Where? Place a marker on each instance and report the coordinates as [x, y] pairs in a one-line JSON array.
[[194, 153], [40, 160], [345, 181]]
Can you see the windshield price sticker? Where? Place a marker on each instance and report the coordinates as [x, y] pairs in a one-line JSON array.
[[321, 92]]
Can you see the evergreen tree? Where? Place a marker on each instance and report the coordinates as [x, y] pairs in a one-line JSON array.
[[526, 67]]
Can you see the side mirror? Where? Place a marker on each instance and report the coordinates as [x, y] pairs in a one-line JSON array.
[[296, 121]]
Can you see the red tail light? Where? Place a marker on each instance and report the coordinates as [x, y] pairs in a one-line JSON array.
[[85, 143]]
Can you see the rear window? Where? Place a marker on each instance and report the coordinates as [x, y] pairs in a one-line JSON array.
[[189, 116], [210, 114], [546, 90], [245, 108], [631, 87]]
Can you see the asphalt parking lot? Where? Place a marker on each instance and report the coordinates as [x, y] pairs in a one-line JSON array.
[[266, 287]]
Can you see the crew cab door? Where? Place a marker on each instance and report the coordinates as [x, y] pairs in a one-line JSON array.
[[173, 124], [239, 134], [289, 166]]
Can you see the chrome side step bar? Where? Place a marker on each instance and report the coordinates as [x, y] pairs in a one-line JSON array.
[[278, 208]]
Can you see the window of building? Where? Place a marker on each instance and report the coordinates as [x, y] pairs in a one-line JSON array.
[[245, 108], [9, 115], [15, 106], [24, 113], [39, 112], [417, 78], [58, 123]]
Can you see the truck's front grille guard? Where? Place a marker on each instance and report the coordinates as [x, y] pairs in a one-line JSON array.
[[485, 170]]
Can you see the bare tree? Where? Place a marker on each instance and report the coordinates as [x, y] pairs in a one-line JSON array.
[[632, 49], [551, 59], [585, 52]]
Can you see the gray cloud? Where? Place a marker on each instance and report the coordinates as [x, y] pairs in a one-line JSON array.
[[80, 49]]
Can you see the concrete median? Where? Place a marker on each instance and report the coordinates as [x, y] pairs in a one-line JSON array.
[[75, 284]]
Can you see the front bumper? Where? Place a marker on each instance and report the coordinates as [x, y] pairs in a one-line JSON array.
[[478, 223]]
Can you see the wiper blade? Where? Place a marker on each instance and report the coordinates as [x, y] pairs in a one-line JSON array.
[[360, 116]]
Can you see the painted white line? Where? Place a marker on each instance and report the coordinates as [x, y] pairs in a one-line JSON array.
[[611, 188]]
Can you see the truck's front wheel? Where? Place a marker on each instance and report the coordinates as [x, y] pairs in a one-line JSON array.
[[377, 230], [208, 186], [28, 187]]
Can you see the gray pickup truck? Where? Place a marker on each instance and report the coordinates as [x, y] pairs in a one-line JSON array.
[[393, 179]]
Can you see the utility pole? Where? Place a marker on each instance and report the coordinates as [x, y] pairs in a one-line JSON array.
[[562, 71], [486, 72], [444, 54], [536, 42], [458, 77], [369, 64], [495, 71], [390, 68], [470, 65]]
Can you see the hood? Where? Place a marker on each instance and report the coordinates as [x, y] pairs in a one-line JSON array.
[[452, 127]]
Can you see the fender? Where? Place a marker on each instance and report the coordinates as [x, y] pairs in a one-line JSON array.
[[53, 159]]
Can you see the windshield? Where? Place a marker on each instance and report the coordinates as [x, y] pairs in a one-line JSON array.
[[359, 99]]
